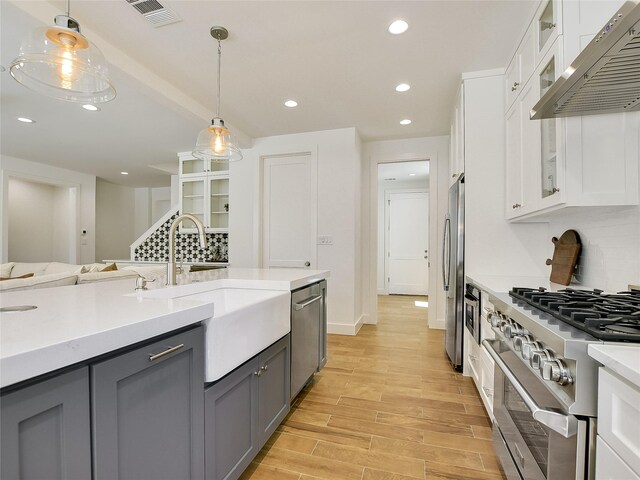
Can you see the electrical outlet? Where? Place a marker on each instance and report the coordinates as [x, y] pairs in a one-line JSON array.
[[325, 240]]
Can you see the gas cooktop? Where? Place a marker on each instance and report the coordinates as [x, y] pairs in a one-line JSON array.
[[609, 317]]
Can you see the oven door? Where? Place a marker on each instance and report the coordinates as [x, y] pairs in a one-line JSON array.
[[535, 438]]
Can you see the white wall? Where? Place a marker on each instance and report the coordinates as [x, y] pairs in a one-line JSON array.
[[84, 214], [610, 237], [494, 246], [339, 168], [39, 227], [150, 205], [383, 188], [115, 218], [436, 150]]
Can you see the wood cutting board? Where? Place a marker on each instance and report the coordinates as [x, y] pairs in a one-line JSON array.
[[565, 257]]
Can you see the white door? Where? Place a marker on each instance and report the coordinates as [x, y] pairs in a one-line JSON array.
[[289, 211], [408, 243]]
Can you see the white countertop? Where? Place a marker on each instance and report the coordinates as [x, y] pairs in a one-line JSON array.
[[76, 323], [496, 284], [622, 359]]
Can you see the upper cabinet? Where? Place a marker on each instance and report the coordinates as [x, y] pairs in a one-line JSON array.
[[562, 162], [456, 138], [204, 192]]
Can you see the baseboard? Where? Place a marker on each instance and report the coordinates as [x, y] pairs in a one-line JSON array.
[[382, 291], [437, 324], [344, 329], [366, 319]]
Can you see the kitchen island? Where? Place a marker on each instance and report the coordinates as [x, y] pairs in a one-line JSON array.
[[118, 375]]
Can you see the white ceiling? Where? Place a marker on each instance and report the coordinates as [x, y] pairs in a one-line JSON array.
[[335, 58]]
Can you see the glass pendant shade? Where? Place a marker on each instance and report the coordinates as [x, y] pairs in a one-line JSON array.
[[60, 62], [214, 144]]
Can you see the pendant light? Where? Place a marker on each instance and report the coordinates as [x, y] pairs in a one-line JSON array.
[[60, 62], [214, 142]]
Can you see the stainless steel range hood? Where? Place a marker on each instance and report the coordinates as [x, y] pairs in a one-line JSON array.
[[605, 77]]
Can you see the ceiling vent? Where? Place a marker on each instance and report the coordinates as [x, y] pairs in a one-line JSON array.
[[154, 12]]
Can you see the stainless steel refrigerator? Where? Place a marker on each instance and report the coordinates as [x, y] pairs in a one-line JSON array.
[[453, 273]]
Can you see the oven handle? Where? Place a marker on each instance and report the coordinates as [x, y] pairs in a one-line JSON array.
[[565, 425]]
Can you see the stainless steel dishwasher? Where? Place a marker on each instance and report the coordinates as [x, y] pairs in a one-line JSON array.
[[308, 334]]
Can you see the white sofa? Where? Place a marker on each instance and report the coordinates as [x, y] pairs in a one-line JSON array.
[[56, 274]]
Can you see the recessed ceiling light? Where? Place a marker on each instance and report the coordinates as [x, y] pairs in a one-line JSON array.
[[91, 108], [403, 87], [26, 120], [291, 103], [406, 121], [398, 27], [124, 173], [412, 174]]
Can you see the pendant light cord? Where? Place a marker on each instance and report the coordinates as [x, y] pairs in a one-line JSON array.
[[67, 7], [219, 63]]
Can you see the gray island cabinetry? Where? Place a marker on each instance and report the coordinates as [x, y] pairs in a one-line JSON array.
[[139, 405], [244, 408], [147, 409], [46, 431]]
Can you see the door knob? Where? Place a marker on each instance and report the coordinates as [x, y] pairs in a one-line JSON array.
[[307, 264]]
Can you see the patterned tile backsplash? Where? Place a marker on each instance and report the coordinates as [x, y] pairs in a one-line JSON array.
[[156, 247]]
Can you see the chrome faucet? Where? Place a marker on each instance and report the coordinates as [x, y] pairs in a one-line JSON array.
[[171, 266]]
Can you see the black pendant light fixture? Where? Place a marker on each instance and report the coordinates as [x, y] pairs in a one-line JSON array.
[[214, 142], [60, 62]]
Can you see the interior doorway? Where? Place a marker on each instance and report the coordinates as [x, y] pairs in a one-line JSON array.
[[41, 221], [403, 228]]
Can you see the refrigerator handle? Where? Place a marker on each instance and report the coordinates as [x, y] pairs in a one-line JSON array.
[[446, 253]]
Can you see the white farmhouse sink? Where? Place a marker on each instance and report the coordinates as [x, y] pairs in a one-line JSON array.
[[245, 322]]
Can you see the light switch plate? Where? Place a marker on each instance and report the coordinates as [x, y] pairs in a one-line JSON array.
[[325, 240]]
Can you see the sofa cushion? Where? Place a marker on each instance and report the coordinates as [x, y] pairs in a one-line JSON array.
[[105, 276], [21, 268], [26, 275], [5, 269], [41, 281], [57, 267]]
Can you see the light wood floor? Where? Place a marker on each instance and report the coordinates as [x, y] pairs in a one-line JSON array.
[[386, 407]]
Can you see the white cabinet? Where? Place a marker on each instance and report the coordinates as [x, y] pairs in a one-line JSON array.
[[456, 139], [564, 162], [204, 192], [610, 466], [619, 418], [520, 68]]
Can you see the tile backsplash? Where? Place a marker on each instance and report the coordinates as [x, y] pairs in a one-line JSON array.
[[610, 257], [156, 247]]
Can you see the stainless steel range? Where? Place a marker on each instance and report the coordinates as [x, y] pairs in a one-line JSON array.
[[545, 384]]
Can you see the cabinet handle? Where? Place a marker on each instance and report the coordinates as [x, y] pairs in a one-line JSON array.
[[555, 190], [258, 373], [516, 205], [473, 357], [488, 391], [515, 86], [547, 25], [264, 368], [169, 350], [453, 175]]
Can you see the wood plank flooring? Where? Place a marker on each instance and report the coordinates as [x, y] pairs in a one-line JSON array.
[[386, 407]]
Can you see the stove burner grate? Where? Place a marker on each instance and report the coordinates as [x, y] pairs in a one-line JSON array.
[[610, 317]]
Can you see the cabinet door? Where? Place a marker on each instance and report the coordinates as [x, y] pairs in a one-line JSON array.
[[191, 166], [273, 388], [547, 25], [218, 219], [609, 466], [231, 439], [513, 132], [46, 430], [148, 410], [194, 193]]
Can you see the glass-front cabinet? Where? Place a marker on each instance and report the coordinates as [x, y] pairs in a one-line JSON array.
[[548, 27], [551, 153], [204, 192]]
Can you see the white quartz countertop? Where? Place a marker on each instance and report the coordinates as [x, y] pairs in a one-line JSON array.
[[622, 359], [76, 323], [497, 284]]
